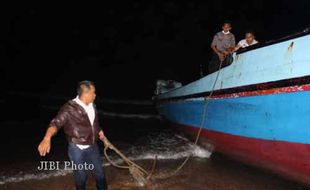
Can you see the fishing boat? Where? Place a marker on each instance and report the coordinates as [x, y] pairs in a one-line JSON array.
[[256, 110]]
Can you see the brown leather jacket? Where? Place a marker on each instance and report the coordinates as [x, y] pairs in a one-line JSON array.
[[74, 120]]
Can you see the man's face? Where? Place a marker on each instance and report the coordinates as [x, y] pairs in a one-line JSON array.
[[249, 37], [226, 27], [90, 95]]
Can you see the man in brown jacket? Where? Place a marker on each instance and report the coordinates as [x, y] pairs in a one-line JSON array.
[[79, 120]]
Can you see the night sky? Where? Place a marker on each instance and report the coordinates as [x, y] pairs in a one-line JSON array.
[[125, 46]]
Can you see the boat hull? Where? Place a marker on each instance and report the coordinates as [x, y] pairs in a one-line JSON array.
[[259, 111], [267, 130]]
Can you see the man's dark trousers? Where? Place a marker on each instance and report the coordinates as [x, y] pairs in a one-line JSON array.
[[90, 155]]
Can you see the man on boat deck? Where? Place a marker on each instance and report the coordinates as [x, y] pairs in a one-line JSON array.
[[249, 40], [222, 45], [79, 120]]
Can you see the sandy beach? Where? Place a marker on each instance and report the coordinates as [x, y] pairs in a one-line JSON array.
[[216, 173]]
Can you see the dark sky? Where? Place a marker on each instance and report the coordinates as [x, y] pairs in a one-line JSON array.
[[125, 46]]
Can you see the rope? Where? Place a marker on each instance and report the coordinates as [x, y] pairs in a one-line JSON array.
[[203, 120], [137, 172]]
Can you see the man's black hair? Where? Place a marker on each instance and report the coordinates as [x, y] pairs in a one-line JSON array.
[[226, 22], [84, 85], [250, 32]]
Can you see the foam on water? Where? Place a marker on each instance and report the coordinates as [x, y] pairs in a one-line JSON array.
[[167, 146], [164, 145]]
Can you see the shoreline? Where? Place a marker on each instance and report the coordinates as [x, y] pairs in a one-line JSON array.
[[216, 173]]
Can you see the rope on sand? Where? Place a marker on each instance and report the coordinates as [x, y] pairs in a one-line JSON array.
[[138, 173]]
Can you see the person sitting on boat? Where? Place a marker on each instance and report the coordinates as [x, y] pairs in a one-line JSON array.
[[249, 40], [222, 45]]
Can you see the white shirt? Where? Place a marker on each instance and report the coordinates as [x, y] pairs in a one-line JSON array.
[[244, 44], [89, 109], [226, 32]]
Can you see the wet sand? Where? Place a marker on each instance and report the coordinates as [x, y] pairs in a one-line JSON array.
[[216, 173]]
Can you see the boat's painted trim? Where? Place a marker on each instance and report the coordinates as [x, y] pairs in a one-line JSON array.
[[289, 85], [297, 88]]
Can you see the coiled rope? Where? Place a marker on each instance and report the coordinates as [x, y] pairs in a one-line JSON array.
[[138, 173]]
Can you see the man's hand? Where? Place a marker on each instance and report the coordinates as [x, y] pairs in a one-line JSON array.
[[226, 53], [44, 147], [230, 50], [237, 48], [101, 135], [104, 139]]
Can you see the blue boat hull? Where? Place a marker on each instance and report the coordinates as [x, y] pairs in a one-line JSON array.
[[270, 131], [281, 117]]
